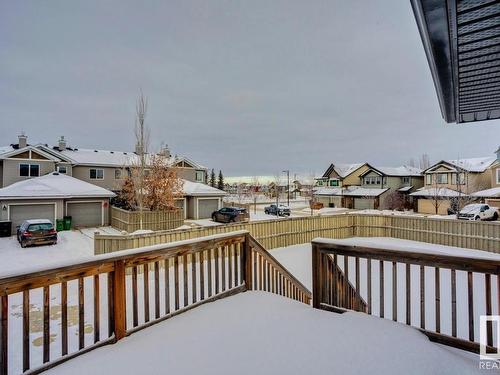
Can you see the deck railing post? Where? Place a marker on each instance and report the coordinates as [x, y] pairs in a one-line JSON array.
[[119, 303], [3, 334], [247, 254], [316, 277]]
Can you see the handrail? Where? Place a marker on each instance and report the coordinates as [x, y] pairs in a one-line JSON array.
[[462, 268]]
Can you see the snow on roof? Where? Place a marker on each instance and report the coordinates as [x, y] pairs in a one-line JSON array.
[[439, 192], [365, 192], [344, 170], [199, 189], [403, 170], [327, 191], [405, 188], [53, 185], [488, 193], [473, 164]]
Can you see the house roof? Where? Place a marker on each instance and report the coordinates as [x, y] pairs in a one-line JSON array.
[[488, 193], [327, 191], [53, 185], [401, 171], [365, 192], [460, 40], [436, 192], [197, 189], [471, 164], [343, 170], [405, 189], [7, 153]]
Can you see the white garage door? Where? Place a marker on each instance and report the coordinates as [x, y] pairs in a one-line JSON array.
[[363, 203], [206, 207], [88, 214], [20, 213]]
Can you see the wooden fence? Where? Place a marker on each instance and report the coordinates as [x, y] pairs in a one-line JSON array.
[[435, 313], [293, 231], [129, 221], [126, 293]]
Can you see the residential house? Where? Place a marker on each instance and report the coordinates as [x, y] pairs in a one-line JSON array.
[[338, 177], [492, 196], [449, 181]]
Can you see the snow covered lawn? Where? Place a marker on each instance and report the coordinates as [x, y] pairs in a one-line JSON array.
[[260, 333]]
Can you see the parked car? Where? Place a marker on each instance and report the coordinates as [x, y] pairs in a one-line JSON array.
[[36, 232], [230, 215], [478, 211], [279, 210]]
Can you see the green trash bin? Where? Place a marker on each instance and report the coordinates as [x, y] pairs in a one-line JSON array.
[[67, 222], [59, 225]]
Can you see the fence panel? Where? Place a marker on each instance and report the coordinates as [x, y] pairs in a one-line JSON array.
[[130, 221]]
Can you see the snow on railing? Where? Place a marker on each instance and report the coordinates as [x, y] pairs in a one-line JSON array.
[[442, 295]]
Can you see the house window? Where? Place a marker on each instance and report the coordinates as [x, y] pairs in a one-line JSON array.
[[200, 176], [442, 178], [62, 169], [118, 174], [334, 182], [372, 180], [461, 179], [29, 170], [428, 179], [405, 180], [96, 174], [498, 176]]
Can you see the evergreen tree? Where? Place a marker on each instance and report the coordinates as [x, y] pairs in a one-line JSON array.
[[213, 181], [220, 182]]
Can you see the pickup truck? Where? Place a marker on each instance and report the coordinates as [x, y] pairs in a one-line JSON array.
[[478, 211], [279, 210]]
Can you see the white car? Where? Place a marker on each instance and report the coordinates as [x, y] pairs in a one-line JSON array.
[[478, 211]]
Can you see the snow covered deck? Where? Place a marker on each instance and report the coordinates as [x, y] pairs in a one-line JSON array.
[[260, 333]]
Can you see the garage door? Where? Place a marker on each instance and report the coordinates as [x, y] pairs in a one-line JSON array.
[[87, 214], [428, 206], [206, 207], [18, 214], [363, 203]]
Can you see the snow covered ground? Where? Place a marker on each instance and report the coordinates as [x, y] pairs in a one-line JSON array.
[[259, 333]]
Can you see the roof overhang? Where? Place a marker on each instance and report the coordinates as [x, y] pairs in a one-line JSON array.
[[462, 43]]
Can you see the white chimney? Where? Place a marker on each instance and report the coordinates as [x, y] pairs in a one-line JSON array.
[[23, 140], [138, 149], [62, 143], [165, 151]]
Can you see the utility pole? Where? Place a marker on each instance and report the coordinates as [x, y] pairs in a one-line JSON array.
[[288, 184]]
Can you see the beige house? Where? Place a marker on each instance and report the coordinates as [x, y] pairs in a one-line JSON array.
[[492, 196], [449, 181]]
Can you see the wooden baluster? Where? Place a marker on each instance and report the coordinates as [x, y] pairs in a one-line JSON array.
[[97, 310], [438, 300], [119, 304], [26, 330], [157, 290], [176, 283], [268, 278], [369, 283], [135, 314], [64, 319], [167, 285], [111, 303], [255, 271], [230, 266], [224, 267], [453, 303], [358, 285], [81, 314], [381, 288], [422, 297], [261, 272], [235, 264], [193, 277], [394, 291], [209, 269], [4, 337], [346, 283], [202, 275], [470, 301], [185, 279], [335, 285], [489, 324], [146, 291], [408, 294], [46, 324], [216, 260]]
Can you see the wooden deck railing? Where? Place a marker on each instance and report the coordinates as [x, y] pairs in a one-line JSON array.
[[102, 300], [423, 289]]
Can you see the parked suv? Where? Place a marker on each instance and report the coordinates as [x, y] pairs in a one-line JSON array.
[[230, 215], [36, 232], [478, 211], [279, 210]]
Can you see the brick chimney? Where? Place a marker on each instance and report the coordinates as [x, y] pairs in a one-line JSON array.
[[62, 143], [22, 140]]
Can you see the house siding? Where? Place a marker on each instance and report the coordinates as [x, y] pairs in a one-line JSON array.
[[353, 178], [10, 173], [108, 182]]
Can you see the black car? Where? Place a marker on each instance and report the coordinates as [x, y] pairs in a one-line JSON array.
[[36, 232], [230, 215], [280, 210]]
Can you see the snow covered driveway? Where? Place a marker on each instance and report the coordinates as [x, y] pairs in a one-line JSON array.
[[260, 333]]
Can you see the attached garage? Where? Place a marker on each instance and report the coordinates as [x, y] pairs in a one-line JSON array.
[[85, 214], [429, 198], [428, 206], [364, 203], [19, 212], [206, 206]]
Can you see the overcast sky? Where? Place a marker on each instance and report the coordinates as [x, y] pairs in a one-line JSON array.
[[249, 87]]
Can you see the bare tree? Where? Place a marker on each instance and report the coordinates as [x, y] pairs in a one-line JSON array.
[[424, 161], [162, 185]]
